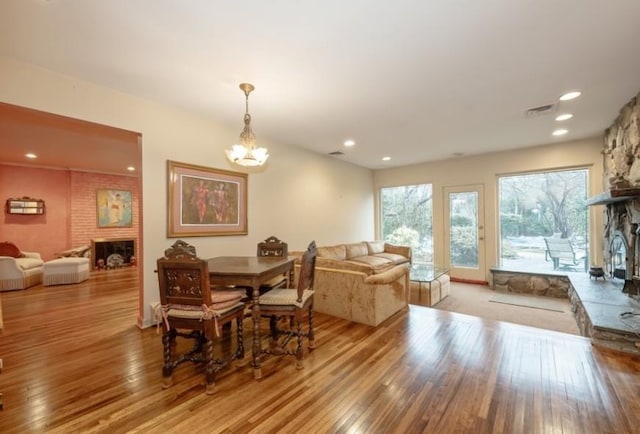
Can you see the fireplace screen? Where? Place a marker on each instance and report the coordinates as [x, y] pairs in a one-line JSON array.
[[619, 257]]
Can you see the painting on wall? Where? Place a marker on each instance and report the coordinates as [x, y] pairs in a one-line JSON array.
[[114, 208], [205, 202]]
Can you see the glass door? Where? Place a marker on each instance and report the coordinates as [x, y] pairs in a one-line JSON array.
[[464, 232]]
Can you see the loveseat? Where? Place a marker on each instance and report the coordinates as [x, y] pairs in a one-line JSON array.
[[19, 269], [365, 282]]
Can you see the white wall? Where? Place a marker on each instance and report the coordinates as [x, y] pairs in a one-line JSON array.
[[484, 169], [300, 195]]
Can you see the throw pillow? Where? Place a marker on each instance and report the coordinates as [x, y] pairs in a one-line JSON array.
[[9, 249], [338, 252], [375, 247], [357, 249]]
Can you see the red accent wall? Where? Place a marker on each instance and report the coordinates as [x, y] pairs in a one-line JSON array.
[[46, 233], [70, 218]]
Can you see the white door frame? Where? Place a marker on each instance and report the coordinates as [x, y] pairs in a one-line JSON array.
[[472, 274]]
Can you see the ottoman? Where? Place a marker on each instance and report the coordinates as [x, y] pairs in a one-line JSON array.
[[65, 270]]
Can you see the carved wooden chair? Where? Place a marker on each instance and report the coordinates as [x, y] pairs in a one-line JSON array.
[[294, 304], [191, 308], [273, 247]]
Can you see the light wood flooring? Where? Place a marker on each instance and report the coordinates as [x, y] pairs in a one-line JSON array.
[[74, 361]]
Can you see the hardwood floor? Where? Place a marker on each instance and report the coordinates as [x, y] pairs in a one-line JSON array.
[[74, 361]]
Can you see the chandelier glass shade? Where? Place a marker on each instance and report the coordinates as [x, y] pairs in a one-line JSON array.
[[245, 152]]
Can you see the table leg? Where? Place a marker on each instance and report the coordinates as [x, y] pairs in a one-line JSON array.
[[257, 346]]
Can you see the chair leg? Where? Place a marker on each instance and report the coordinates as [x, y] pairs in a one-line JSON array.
[[273, 326], [168, 341], [240, 362], [311, 335], [210, 372], [299, 352]]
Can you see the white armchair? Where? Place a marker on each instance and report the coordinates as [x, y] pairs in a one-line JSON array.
[[20, 273]]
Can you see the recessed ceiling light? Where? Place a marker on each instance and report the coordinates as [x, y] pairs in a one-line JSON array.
[[31, 155], [131, 169], [349, 143], [564, 117], [560, 132], [570, 95], [387, 158]]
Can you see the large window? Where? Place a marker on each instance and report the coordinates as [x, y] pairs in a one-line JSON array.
[[536, 206], [407, 219]]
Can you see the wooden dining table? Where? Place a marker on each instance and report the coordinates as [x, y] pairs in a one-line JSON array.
[[250, 271]]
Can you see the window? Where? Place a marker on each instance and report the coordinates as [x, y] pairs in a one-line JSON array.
[[407, 219], [463, 212], [538, 205]]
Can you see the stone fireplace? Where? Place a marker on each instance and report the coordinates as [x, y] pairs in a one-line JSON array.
[[622, 196]]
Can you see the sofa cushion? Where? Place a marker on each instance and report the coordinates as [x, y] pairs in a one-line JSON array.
[[9, 249], [378, 264], [375, 247], [356, 249], [338, 252], [393, 257], [359, 267], [29, 263]]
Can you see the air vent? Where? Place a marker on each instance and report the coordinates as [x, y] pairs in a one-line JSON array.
[[335, 153], [539, 111]]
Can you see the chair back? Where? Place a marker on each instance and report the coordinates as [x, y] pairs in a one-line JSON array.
[[183, 278], [307, 269], [560, 248], [272, 247], [179, 249]]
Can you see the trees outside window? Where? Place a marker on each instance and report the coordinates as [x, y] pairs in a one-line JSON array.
[[407, 219], [538, 205]]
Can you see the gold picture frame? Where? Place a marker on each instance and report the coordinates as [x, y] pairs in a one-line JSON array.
[[204, 201]]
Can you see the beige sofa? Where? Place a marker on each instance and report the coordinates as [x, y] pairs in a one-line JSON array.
[[22, 272], [365, 282]]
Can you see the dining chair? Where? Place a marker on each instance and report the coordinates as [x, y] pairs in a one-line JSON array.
[[191, 308], [274, 248], [293, 304]]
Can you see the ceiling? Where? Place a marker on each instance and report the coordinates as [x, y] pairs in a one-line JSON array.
[[414, 80]]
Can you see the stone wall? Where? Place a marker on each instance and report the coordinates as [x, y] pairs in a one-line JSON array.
[[528, 283], [622, 147], [622, 171]]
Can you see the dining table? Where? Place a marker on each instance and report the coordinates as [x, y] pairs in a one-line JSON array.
[[250, 271]]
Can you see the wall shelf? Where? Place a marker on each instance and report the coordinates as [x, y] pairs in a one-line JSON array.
[[25, 206]]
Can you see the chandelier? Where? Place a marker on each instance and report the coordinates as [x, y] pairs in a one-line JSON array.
[[245, 153]]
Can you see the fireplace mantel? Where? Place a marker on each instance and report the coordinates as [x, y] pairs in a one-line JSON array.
[[612, 196]]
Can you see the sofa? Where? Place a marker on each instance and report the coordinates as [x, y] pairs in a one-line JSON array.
[[364, 282], [19, 269]]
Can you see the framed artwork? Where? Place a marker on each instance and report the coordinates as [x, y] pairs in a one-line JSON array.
[[113, 208], [205, 202]]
